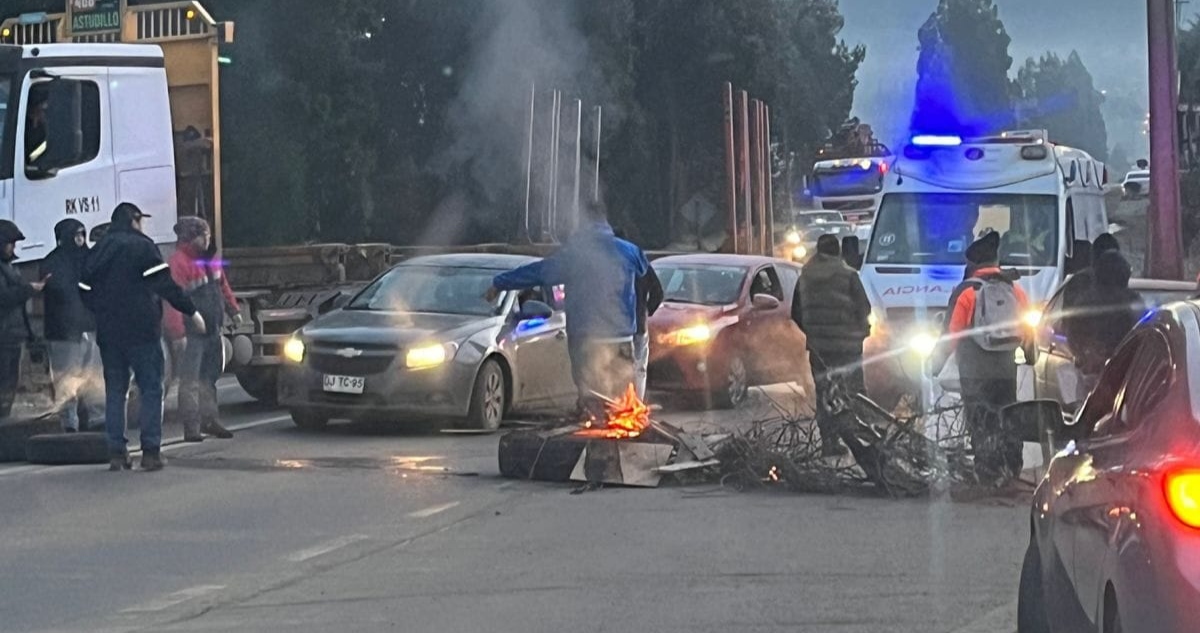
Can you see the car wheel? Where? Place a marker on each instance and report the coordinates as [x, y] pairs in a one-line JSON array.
[[260, 384], [734, 387], [67, 448], [308, 420], [488, 398], [1031, 596]]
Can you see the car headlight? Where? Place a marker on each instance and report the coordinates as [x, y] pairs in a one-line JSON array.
[[799, 252], [293, 350], [923, 343], [792, 237], [691, 335], [429, 355], [1032, 318]]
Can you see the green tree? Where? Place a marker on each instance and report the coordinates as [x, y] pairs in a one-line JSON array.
[[962, 84], [1059, 96]]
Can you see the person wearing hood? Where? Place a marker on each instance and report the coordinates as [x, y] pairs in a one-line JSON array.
[[201, 361], [124, 282], [70, 329], [832, 309], [1105, 313], [15, 292], [1079, 285], [600, 273], [985, 331]]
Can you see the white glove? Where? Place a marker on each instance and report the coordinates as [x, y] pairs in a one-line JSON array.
[[198, 322], [238, 319]]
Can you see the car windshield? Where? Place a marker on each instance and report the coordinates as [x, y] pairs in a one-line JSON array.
[[805, 220], [936, 228], [708, 285], [436, 289]]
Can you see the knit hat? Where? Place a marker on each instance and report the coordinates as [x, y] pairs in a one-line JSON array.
[[985, 250], [190, 227], [9, 233]]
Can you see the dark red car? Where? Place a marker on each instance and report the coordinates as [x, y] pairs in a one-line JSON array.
[[725, 326], [1116, 519]]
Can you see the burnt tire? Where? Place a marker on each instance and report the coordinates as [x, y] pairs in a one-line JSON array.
[[489, 398], [1031, 595], [307, 420], [261, 384], [734, 387], [60, 449]]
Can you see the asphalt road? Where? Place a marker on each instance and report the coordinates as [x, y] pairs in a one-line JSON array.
[[381, 529]]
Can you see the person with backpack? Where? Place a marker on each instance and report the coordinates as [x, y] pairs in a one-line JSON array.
[[985, 331]]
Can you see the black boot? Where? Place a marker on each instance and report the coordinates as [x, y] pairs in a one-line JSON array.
[[152, 462], [117, 463], [188, 437], [216, 430]]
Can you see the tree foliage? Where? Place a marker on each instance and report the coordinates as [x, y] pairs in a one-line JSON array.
[[962, 84], [1059, 96]]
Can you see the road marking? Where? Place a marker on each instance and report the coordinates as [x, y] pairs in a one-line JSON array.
[[325, 548], [506, 485], [173, 599], [428, 512], [999, 620]]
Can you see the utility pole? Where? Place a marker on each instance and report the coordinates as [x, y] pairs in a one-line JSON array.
[[1164, 248]]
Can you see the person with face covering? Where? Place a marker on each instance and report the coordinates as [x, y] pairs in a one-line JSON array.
[[70, 329], [200, 352], [15, 292], [124, 283], [1106, 312]]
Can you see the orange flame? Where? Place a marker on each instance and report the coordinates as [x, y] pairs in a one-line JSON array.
[[625, 418]]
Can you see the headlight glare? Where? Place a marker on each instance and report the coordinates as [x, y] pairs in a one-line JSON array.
[[293, 350], [923, 343], [427, 356], [692, 335]]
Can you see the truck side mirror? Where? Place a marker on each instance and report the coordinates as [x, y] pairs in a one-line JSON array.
[[34, 172]]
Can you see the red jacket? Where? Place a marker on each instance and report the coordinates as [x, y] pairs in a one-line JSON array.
[[194, 273]]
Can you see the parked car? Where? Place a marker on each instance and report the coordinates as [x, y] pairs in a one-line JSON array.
[[1055, 358], [1136, 184], [798, 240], [725, 325], [421, 340], [1115, 542]]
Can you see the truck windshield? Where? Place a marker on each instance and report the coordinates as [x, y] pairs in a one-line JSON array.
[[853, 181], [936, 228], [440, 290]]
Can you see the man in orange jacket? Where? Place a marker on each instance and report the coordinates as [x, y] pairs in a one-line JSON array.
[[985, 331]]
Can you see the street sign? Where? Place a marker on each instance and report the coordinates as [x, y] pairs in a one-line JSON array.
[[87, 17]]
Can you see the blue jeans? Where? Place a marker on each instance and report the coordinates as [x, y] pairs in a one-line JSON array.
[[146, 362]]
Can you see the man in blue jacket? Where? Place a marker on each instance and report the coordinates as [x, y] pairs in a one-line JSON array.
[[600, 273]]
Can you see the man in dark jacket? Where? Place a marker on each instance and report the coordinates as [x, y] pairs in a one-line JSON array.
[[70, 330], [124, 283], [1080, 284], [1106, 312], [832, 309], [15, 292], [600, 272], [988, 374]]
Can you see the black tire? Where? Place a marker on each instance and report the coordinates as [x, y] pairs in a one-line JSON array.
[[1112, 614], [734, 386], [489, 398], [307, 420], [15, 434], [261, 384], [61, 449], [1031, 596]]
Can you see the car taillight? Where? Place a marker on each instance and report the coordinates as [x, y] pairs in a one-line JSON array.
[[1183, 496]]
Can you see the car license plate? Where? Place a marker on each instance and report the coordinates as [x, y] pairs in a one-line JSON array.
[[345, 384]]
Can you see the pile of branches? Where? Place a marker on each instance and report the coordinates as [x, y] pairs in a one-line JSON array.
[[891, 454]]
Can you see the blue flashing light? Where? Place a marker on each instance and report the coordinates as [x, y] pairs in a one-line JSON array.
[[936, 140], [530, 324], [1147, 316]]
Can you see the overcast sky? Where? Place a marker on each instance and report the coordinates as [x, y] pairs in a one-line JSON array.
[[1110, 35]]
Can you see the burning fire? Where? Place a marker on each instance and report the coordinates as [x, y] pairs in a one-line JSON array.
[[625, 418]]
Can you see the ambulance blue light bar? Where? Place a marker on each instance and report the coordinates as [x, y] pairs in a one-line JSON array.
[[936, 140]]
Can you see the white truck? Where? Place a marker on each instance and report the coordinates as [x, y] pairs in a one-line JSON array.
[[942, 193]]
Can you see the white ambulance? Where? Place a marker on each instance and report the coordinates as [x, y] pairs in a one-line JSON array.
[[942, 193]]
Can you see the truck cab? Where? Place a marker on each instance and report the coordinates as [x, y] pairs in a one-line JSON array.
[[84, 127]]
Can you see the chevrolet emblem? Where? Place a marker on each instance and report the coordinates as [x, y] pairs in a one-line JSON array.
[[349, 352]]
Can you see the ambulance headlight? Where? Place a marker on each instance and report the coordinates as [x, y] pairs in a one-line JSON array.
[[923, 343]]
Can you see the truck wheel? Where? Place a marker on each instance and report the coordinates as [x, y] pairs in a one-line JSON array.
[[308, 420], [67, 448], [733, 388], [488, 398], [261, 384]]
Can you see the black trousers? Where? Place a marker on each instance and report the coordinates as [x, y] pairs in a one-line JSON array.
[[825, 368], [10, 377], [997, 450], [199, 370]]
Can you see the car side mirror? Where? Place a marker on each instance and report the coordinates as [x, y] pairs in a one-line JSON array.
[[533, 309], [1039, 421], [764, 302]]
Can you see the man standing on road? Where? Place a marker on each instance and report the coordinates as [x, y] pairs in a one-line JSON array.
[[831, 307], [986, 329], [201, 361], [649, 298], [123, 281], [15, 292], [1106, 312], [70, 329], [600, 272]]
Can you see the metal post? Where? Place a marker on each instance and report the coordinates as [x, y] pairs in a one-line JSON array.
[[763, 245], [551, 179], [1164, 252], [730, 168], [557, 162], [578, 162], [755, 178], [596, 184], [529, 160], [770, 178], [744, 166]]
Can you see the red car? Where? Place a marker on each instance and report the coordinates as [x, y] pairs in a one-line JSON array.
[[1116, 519], [725, 325]]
